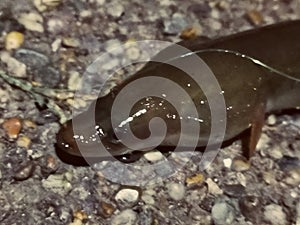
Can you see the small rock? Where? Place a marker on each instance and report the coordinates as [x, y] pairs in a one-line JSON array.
[[32, 21], [153, 156], [148, 199], [234, 190], [74, 81], [55, 25], [197, 179], [47, 76], [80, 215], [213, 188], [190, 32], [240, 165], [271, 120], [57, 183], [12, 127], [215, 25], [255, 17], [269, 177], [222, 213], [250, 207], [227, 162], [275, 153], [288, 163], [49, 164], [175, 25], [275, 214], [115, 10], [114, 47], [176, 191], [70, 42], [133, 53], [43, 5], [31, 58], [16, 68], [126, 217], [24, 171], [107, 209], [127, 197], [13, 40], [201, 10], [293, 177], [28, 124], [56, 44], [263, 142], [24, 142], [298, 214]]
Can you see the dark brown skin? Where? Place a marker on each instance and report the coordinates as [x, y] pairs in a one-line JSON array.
[[250, 90]]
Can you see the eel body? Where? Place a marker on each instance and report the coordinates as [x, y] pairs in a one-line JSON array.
[[258, 72]]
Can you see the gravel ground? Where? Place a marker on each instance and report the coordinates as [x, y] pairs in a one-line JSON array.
[[50, 43]]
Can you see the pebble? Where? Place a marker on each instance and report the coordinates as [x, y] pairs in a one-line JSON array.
[[24, 142], [43, 5], [250, 207], [201, 10], [114, 47], [47, 76], [222, 213], [263, 142], [74, 81], [126, 217], [24, 171], [255, 17], [215, 25], [153, 156], [56, 44], [13, 40], [115, 10], [127, 197], [16, 68], [275, 152], [298, 214], [107, 209], [175, 25], [55, 25], [133, 53], [148, 199], [213, 188], [227, 162], [49, 164], [80, 215], [5, 205], [271, 120], [190, 32], [32, 21], [269, 177], [275, 214], [31, 58], [234, 190], [196, 179], [71, 42], [28, 124], [12, 127], [176, 191], [293, 177], [58, 183], [240, 165]]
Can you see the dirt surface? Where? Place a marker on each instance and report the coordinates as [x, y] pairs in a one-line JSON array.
[[54, 43]]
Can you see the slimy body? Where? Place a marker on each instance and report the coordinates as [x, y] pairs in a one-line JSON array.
[[258, 72]]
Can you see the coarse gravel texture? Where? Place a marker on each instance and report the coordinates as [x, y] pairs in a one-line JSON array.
[[61, 39]]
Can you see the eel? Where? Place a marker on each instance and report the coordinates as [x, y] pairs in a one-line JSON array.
[[257, 70]]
